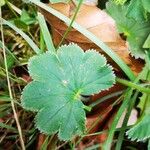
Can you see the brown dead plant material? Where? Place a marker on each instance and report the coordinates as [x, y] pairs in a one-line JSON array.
[[96, 21]]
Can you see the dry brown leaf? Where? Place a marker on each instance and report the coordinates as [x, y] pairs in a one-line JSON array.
[[96, 21]]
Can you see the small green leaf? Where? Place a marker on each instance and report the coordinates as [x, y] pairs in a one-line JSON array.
[[136, 10], [27, 18], [20, 24], [59, 81], [10, 61], [141, 131], [136, 31]]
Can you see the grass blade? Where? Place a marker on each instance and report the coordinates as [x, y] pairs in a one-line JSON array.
[[107, 144], [124, 125], [3, 125], [9, 85], [9, 52], [46, 34], [25, 36]]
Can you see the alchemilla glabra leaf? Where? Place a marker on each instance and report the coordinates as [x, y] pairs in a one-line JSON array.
[[141, 131], [129, 23], [59, 80]]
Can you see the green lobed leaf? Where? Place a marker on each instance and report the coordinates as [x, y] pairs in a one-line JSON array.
[[137, 38], [136, 10], [136, 31], [141, 131], [28, 18], [59, 81], [146, 5]]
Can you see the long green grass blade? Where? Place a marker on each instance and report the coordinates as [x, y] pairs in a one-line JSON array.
[[46, 34], [107, 144], [16, 9], [42, 43], [148, 147], [124, 125], [3, 125], [9, 52], [25, 36]]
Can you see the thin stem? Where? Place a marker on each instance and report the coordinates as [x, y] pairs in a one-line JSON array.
[[9, 87], [16, 9], [9, 6], [107, 144], [133, 85], [97, 120], [106, 131], [125, 122], [97, 102], [70, 26]]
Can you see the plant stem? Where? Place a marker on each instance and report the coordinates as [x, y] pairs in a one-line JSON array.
[[16, 9], [9, 6], [97, 102], [95, 123], [125, 122], [107, 144], [9, 86], [70, 26], [133, 85]]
